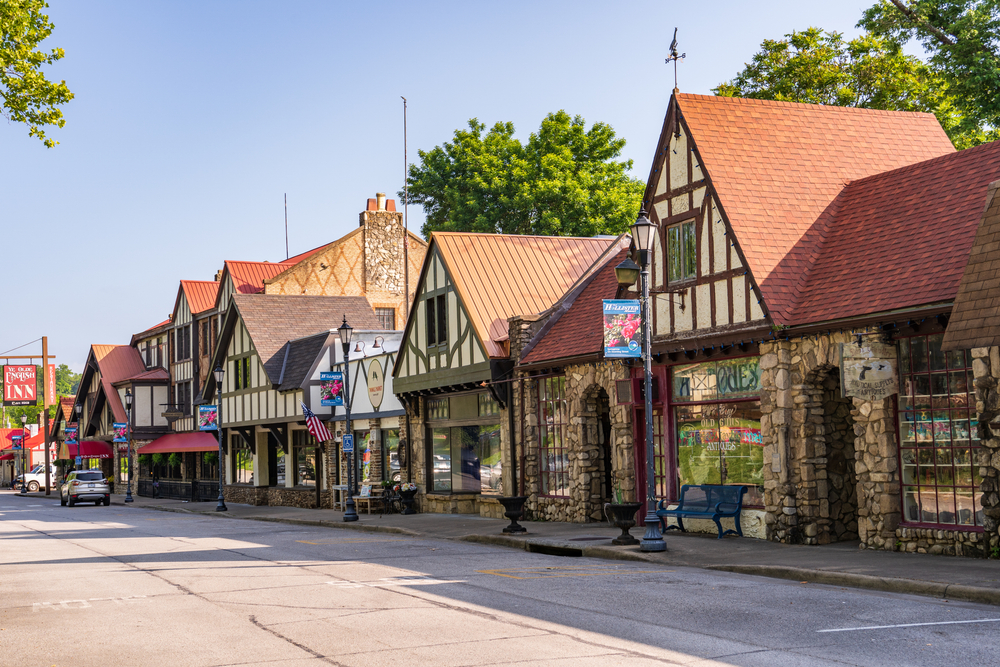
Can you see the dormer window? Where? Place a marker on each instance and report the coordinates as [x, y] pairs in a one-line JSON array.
[[682, 252]]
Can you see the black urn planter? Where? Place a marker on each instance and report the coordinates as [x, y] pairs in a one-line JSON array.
[[407, 498], [514, 509], [622, 516]]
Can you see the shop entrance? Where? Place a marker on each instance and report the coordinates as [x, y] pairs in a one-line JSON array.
[[595, 460]]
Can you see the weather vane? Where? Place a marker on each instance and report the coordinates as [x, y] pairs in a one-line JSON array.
[[675, 57]]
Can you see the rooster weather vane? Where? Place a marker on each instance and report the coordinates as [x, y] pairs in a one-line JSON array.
[[675, 58]]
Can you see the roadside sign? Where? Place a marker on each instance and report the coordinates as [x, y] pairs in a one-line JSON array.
[[348, 443]]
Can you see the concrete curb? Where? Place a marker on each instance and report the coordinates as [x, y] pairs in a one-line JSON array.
[[526, 542], [866, 581]]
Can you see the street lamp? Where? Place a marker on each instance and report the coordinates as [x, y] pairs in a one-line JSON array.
[[345, 331], [79, 436], [128, 430], [643, 236], [24, 462], [219, 373]]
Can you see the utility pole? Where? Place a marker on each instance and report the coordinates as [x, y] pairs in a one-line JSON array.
[[45, 403]]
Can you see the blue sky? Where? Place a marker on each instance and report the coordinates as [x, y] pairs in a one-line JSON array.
[[193, 119]]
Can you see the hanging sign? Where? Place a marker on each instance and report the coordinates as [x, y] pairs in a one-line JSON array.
[[868, 370], [376, 383], [208, 417], [16, 441], [622, 328], [50, 385], [330, 387], [19, 385], [70, 435], [120, 431]]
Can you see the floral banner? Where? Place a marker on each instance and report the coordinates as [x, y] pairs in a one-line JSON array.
[[330, 388], [70, 435], [208, 417], [121, 431], [622, 328]]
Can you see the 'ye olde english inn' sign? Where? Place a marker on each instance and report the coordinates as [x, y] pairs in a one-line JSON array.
[[868, 371]]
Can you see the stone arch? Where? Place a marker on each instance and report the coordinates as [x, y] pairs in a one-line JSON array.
[[828, 497], [594, 457]]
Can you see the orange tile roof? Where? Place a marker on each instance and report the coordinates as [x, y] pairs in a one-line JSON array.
[[200, 294], [498, 276], [249, 277], [777, 166]]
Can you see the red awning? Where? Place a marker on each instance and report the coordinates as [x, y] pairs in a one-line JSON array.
[[89, 449], [173, 443], [7, 457]]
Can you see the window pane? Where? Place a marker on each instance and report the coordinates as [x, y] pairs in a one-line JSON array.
[[674, 253], [690, 250], [904, 356], [431, 322], [442, 315], [938, 358], [441, 449]]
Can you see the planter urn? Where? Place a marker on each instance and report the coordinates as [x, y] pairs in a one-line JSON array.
[[622, 515], [407, 499], [514, 510]]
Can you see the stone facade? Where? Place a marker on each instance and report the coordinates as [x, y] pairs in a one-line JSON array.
[[986, 371]]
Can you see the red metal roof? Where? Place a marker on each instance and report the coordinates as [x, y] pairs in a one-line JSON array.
[[117, 363], [200, 294], [778, 166], [249, 277], [580, 330], [899, 239], [502, 275]]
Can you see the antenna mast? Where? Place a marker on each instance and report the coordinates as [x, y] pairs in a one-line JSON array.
[[406, 224], [286, 226], [675, 58]]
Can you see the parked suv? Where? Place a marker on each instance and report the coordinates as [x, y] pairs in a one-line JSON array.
[[84, 486], [35, 478]]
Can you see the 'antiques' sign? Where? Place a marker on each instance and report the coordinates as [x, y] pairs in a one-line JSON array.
[[19, 385], [868, 371]]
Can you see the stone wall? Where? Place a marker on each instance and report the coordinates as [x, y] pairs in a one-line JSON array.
[[986, 371]]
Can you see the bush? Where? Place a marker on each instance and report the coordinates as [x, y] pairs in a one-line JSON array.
[[174, 460], [160, 459]]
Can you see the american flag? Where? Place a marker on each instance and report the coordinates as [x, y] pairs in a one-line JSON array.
[[315, 425]]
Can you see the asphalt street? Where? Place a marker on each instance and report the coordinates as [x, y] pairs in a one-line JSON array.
[[127, 586]]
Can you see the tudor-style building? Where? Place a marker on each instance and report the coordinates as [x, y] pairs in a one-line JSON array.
[[800, 244], [454, 371]]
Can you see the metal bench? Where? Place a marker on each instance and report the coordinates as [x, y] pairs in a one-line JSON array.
[[705, 501]]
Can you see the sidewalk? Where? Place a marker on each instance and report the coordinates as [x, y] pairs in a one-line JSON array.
[[949, 577]]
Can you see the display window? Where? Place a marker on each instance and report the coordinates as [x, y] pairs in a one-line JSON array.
[[308, 460], [553, 449], [464, 443], [938, 438], [716, 421]]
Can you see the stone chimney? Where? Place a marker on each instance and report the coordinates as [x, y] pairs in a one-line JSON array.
[[383, 239]]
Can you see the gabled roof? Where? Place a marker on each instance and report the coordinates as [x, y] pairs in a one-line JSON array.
[[778, 166], [66, 406], [498, 276], [272, 320], [249, 277], [975, 318], [116, 363], [298, 357], [579, 329], [899, 239], [151, 331], [200, 294]]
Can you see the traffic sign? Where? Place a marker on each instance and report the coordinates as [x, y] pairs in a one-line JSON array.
[[348, 443], [79, 461]]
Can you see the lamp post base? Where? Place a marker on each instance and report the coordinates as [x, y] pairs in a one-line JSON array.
[[221, 507], [128, 497], [350, 513], [652, 541]]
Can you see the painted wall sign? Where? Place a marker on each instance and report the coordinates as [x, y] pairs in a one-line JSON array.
[[208, 417], [868, 371], [121, 432], [717, 380], [376, 383], [330, 388], [19, 385], [622, 328]]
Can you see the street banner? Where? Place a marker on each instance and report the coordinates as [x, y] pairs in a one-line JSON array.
[[50, 385], [622, 330], [330, 387], [121, 431], [19, 385], [70, 435], [16, 441], [208, 417]]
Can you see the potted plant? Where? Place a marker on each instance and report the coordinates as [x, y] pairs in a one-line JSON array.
[[407, 491], [622, 515]]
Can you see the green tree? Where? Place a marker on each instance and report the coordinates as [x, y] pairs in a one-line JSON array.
[[565, 181], [26, 96], [66, 380], [870, 71], [962, 38]]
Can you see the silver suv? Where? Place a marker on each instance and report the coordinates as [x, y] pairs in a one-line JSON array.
[[85, 486]]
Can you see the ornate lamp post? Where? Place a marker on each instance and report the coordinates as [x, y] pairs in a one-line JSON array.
[[345, 331], [220, 373], [643, 236], [128, 481], [79, 435], [24, 460]]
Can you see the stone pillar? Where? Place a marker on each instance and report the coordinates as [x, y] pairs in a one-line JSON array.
[[986, 370]]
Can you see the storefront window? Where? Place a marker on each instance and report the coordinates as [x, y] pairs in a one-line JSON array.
[[938, 438], [553, 451], [123, 466], [281, 466], [363, 456], [307, 461], [441, 466], [242, 461], [718, 436], [464, 443], [390, 457]]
